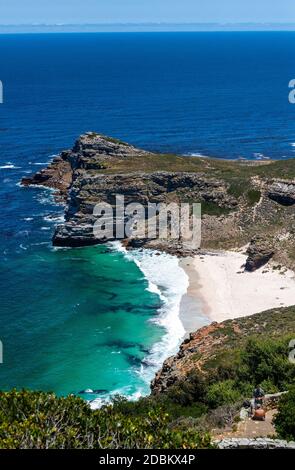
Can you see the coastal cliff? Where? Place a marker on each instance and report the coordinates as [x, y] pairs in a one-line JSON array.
[[241, 201], [206, 348]]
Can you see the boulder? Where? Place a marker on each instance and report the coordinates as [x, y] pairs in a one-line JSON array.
[[260, 251], [283, 192]]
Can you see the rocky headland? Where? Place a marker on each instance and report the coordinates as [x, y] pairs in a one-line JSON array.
[[242, 201]]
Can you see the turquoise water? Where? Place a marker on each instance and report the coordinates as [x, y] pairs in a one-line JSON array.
[[76, 319]]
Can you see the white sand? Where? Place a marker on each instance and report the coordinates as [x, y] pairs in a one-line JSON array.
[[226, 291]]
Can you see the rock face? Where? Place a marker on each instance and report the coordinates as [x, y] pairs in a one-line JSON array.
[[58, 175], [283, 192], [93, 151], [199, 345], [260, 251], [87, 191], [84, 173]]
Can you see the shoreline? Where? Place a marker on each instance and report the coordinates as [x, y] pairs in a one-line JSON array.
[[193, 306], [219, 284]]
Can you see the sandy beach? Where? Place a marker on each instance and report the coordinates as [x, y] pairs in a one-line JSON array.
[[193, 310], [221, 288]]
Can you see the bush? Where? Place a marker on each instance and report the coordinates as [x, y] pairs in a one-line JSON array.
[[253, 196], [173, 409], [43, 421], [284, 421], [223, 393], [190, 390], [267, 360], [222, 417]]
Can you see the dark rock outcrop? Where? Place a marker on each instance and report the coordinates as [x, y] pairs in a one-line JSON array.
[[260, 251], [283, 192], [87, 191], [57, 175]]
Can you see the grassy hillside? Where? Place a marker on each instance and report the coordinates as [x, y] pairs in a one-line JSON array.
[[219, 168]]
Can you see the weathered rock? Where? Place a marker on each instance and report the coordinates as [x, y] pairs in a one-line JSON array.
[[79, 174], [260, 251], [57, 175], [282, 191], [143, 188]]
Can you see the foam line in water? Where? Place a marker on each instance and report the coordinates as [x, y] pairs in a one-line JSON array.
[[9, 166], [168, 280]]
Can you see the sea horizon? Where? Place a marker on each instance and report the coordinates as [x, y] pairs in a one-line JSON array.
[[145, 27]]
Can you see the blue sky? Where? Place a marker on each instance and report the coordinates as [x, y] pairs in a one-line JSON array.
[[140, 11]]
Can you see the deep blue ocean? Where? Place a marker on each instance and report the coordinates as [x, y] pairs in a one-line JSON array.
[[86, 318]]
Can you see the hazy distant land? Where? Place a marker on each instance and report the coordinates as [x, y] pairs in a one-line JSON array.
[[144, 27]]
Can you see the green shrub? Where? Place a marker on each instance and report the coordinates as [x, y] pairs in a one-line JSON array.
[[284, 421], [211, 208], [44, 421], [237, 188], [222, 393], [267, 359], [232, 374], [190, 390], [224, 366], [253, 196], [268, 386]]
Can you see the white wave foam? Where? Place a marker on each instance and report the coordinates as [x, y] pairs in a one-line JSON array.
[[195, 154], [8, 165], [168, 280], [105, 399], [260, 156], [54, 218], [39, 163]]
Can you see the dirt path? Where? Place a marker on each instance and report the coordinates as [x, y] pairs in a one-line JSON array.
[[252, 429]]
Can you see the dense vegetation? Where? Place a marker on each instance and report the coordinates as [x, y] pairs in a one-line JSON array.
[[232, 374], [285, 419], [212, 397], [42, 420]]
